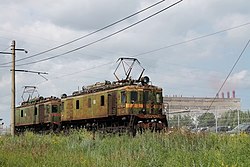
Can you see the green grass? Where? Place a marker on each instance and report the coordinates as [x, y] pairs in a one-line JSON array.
[[149, 149]]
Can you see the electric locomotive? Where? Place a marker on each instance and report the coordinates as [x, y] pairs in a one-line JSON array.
[[38, 114], [124, 105]]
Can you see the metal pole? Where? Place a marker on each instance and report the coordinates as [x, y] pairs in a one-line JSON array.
[[167, 113], [178, 121], [13, 90], [238, 115], [216, 121], [168, 109]]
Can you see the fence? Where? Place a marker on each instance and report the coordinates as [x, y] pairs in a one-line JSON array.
[[208, 121]]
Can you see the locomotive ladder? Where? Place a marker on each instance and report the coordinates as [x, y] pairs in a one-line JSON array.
[[131, 121], [131, 126]]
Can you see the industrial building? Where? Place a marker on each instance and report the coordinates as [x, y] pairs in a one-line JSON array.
[[219, 105]]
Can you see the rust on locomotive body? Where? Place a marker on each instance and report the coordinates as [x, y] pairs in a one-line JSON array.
[[123, 104]]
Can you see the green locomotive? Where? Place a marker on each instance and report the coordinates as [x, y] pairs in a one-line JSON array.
[[124, 105], [38, 114]]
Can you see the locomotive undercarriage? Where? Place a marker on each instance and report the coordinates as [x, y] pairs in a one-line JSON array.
[[130, 124], [118, 124], [37, 128]]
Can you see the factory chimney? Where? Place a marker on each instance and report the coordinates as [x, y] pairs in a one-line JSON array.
[[233, 93], [222, 95]]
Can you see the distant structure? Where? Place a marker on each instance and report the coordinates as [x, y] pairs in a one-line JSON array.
[[1, 125], [178, 104]]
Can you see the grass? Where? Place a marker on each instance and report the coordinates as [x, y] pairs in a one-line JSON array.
[[149, 149]]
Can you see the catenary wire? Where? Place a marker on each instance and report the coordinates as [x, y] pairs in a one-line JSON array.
[[193, 39], [183, 42], [230, 72], [158, 49], [101, 39], [180, 44], [6, 48], [94, 32]]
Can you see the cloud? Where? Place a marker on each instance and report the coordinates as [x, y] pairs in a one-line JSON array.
[[239, 79], [87, 15], [195, 68], [4, 81]]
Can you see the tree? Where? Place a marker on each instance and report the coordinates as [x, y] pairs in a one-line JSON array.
[[206, 119], [230, 118]]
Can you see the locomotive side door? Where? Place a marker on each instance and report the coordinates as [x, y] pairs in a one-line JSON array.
[[112, 103], [41, 113]]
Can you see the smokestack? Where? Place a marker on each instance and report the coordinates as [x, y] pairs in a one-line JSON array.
[[228, 94], [233, 93], [222, 95]]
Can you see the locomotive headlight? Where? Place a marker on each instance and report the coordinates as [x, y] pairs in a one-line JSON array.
[[145, 80], [144, 111]]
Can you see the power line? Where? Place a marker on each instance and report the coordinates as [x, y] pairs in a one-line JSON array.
[[183, 42], [101, 39], [94, 32], [165, 47], [229, 74], [6, 49], [193, 39]]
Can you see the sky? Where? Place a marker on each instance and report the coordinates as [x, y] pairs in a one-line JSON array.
[[188, 49]]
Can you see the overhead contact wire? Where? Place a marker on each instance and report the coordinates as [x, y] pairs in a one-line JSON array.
[[101, 39], [193, 39], [165, 47], [94, 32], [229, 74]]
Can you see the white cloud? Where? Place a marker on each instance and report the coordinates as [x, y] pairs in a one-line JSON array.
[[4, 81], [239, 79], [196, 68]]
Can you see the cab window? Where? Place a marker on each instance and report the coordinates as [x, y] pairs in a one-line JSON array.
[[123, 97], [35, 113], [145, 96], [21, 113], [54, 108], [77, 104], [134, 96], [47, 108], [158, 98], [102, 100]]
